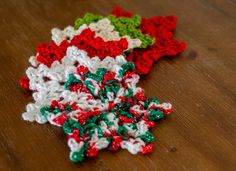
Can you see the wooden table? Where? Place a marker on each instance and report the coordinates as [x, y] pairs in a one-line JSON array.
[[201, 84]]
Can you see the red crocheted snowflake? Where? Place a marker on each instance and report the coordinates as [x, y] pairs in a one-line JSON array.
[[162, 29]]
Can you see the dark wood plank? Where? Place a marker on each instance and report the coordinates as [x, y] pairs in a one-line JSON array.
[[201, 84]]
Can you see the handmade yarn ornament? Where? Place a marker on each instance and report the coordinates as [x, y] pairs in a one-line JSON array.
[[85, 82]]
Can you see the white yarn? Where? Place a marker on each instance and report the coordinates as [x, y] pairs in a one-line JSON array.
[[133, 145], [46, 91]]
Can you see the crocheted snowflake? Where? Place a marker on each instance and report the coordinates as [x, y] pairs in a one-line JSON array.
[[83, 82]]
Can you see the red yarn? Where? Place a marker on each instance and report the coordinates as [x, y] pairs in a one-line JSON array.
[[148, 148], [119, 12], [81, 69], [115, 144], [125, 119], [48, 53], [108, 76], [162, 29], [76, 136], [96, 46], [144, 58], [24, 83], [60, 120], [92, 151], [83, 116]]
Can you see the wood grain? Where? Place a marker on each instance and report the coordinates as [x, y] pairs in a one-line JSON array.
[[201, 84]]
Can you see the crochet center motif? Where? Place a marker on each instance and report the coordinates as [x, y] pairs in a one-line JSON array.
[[85, 81]]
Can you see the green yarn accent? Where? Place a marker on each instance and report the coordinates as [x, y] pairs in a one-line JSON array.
[[132, 125], [78, 156], [130, 93], [127, 114], [100, 72], [89, 86], [46, 109], [109, 139], [100, 132], [122, 106], [109, 123], [102, 95], [68, 108], [90, 128], [148, 101], [98, 75], [147, 137], [103, 116], [122, 130], [155, 115], [125, 26], [129, 66], [94, 77], [129, 26], [71, 80], [91, 120], [70, 125], [125, 138], [87, 19], [113, 87]]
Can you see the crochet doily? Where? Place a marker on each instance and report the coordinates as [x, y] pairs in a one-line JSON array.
[[85, 81]]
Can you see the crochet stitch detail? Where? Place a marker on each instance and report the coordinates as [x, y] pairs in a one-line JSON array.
[[85, 81], [125, 26], [162, 29], [96, 103], [86, 40]]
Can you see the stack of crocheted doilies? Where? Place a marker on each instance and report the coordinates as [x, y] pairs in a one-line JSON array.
[[85, 81]]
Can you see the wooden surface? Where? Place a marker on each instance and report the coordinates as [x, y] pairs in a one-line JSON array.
[[201, 84]]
